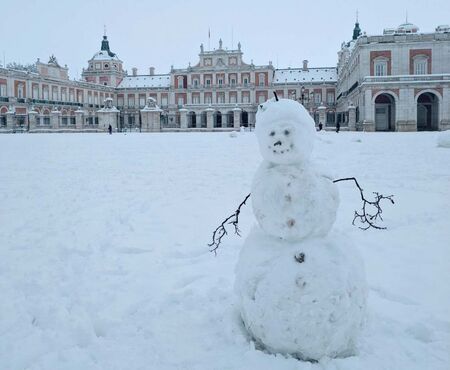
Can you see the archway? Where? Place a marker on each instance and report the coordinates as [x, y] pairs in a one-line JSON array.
[[230, 118], [204, 120], [192, 120], [384, 112], [427, 112], [217, 119], [244, 118]]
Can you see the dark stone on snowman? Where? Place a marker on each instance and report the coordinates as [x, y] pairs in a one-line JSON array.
[[316, 308]]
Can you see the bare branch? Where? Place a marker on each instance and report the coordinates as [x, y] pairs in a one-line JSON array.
[[364, 217], [221, 230]]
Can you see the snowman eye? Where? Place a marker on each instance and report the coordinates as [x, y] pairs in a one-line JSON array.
[[272, 133], [286, 132]]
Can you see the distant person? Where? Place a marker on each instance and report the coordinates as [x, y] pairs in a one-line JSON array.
[[110, 129], [320, 126], [338, 127]]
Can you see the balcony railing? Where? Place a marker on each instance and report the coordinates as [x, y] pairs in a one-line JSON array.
[[407, 78]]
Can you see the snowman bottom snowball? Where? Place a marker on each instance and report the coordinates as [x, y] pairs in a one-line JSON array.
[[309, 307]]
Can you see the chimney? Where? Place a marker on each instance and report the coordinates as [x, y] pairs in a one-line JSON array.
[[152, 71], [134, 71], [305, 65]]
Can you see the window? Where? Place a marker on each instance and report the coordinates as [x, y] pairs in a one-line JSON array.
[[180, 80], [63, 95], [261, 99], [80, 97], [35, 92], [195, 82], [20, 91], [89, 99], [233, 82], [380, 67], [420, 66], [330, 98], [97, 65], [208, 82], [245, 81], [3, 90], [208, 99], [55, 94], [262, 79], [233, 98], [45, 93], [245, 98], [317, 98], [96, 99], [142, 101], [180, 100], [195, 99], [120, 101], [164, 101], [106, 66], [221, 98], [71, 97], [131, 101], [220, 82]]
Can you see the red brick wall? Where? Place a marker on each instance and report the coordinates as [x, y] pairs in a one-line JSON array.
[[380, 53]]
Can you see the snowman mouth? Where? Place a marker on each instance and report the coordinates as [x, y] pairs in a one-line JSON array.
[[280, 151]]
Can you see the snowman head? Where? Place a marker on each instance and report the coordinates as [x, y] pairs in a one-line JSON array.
[[285, 131]]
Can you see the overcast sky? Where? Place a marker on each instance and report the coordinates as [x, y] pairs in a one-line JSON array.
[[162, 33]]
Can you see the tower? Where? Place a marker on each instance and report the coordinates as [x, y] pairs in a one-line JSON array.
[[104, 67], [356, 29]]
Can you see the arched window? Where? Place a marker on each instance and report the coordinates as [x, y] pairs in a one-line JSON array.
[[180, 81], [20, 91], [262, 79], [420, 65], [380, 66]]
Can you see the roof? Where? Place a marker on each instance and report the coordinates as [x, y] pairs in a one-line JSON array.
[[293, 75], [104, 55], [145, 81]]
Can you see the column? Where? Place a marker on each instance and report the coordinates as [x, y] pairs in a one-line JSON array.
[[10, 119], [79, 118], [54, 118], [32, 115], [209, 118], [351, 117], [237, 117], [322, 114], [369, 112], [183, 118], [444, 108]]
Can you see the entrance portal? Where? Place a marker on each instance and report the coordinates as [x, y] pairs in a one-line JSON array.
[[384, 113], [427, 112]]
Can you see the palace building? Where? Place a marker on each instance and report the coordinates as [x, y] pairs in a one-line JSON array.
[[398, 81]]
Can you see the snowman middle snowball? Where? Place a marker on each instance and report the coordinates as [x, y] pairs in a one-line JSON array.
[[290, 199]]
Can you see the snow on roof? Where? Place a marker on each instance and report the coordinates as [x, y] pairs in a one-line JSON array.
[[145, 81], [299, 75], [103, 55]]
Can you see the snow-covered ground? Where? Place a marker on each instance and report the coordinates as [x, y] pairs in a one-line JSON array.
[[104, 262]]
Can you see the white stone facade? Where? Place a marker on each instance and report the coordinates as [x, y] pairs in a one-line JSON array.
[[398, 81]]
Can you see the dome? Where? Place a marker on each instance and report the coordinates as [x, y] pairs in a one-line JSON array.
[[407, 28], [104, 55]]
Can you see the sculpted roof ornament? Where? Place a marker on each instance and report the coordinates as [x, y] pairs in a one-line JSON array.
[[52, 60]]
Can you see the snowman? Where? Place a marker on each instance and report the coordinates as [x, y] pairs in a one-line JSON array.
[[301, 287]]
